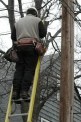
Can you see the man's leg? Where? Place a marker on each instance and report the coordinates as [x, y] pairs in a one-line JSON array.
[[17, 80], [30, 65]]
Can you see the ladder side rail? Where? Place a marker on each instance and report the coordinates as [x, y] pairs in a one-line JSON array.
[[35, 81], [9, 106]]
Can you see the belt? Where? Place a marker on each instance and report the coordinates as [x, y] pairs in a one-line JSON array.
[[26, 41]]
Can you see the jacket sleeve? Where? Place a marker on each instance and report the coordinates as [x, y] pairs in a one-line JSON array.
[[13, 34], [42, 30]]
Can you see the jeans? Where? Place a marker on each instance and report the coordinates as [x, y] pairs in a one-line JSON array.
[[25, 69]]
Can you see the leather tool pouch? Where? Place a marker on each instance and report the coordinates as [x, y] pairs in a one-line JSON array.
[[11, 55], [26, 43], [40, 48]]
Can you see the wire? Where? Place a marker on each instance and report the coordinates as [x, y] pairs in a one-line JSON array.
[[14, 6], [27, 3], [2, 34], [71, 14], [63, 5]]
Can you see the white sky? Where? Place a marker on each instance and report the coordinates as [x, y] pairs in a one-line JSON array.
[[5, 40]]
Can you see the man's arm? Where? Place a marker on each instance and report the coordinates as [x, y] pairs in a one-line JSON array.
[[42, 30], [13, 34]]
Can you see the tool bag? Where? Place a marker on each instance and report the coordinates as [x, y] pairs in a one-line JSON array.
[[40, 48], [25, 42], [11, 55]]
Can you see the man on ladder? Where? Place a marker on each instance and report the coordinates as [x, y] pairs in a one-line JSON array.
[[26, 37]]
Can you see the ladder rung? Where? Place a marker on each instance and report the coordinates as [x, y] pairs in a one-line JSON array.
[[21, 100], [15, 115]]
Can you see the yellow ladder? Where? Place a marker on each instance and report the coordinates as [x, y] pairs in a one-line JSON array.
[[32, 100]]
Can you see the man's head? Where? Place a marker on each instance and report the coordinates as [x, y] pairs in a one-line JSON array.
[[32, 11]]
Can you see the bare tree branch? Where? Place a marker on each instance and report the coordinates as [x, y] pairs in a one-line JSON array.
[[4, 4], [20, 8]]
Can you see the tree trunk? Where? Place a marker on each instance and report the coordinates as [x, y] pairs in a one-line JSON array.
[[11, 13]]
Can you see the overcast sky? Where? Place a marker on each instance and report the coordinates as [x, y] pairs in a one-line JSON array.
[[5, 40]]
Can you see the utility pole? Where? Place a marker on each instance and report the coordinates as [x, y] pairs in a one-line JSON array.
[[67, 64]]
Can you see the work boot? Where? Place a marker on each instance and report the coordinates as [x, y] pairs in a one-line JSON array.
[[15, 95], [25, 96]]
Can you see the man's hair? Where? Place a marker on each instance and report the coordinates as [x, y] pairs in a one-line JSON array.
[[32, 11]]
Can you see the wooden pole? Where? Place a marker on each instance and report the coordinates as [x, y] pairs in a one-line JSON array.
[[67, 64]]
